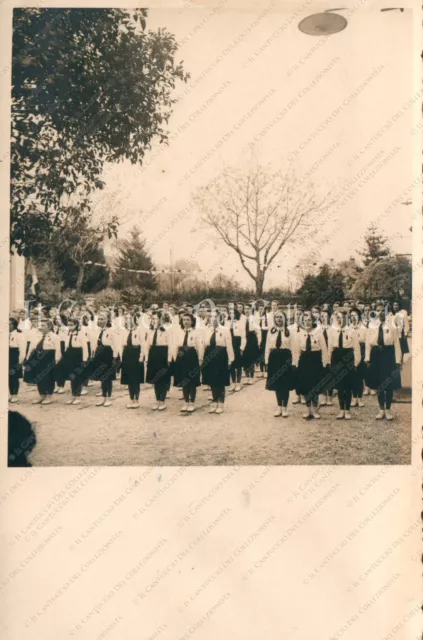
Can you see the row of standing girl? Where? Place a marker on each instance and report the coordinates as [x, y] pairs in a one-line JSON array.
[[311, 359]]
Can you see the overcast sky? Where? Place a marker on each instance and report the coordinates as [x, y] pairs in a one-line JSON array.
[[363, 74]]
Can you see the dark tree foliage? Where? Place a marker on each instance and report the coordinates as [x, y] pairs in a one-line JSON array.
[[376, 246], [133, 255], [89, 86], [327, 286]]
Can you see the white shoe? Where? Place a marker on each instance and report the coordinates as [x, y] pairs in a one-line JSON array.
[[70, 401], [348, 415], [184, 409], [303, 401], [61, 390], [191, 408], [297, 400], [155, 407], [212, 408], [206, 388], [39, 401], [47, 401], [210, 398], [306, 416], [56, 391], [373, 392], [100, 403], [329, 403], [14, 399], [108, 403], [316, 415], [130, 405], [285, 413], [323, 404], [354, 402], [250, 381], [380, 415], [388, 414], [219, 409], [84, 392], [162, 406], [360, 403], [278, 412], [99, 394], [237, 388], [341, 415], [76, 401], [366, 392], [90, 383], [136, 405]]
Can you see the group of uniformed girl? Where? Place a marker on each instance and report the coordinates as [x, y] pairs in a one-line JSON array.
[[321, 352]]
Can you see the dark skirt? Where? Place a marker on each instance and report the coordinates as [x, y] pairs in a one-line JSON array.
[[342, 369], [102, 367], [215, 369], [187, 368], [72, 366], [361, 371], [280, 374], [132, 369], [264, 333], [236, 345], [41, 368], [404, 344], [383, 373], [15, 369], [61, 366], [311, 374], [158, 370], [251, 353]]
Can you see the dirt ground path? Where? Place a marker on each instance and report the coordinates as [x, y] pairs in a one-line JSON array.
[[245, 434]]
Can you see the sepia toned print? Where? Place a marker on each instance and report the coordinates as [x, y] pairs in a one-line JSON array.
[[174, 260], [212, 301]]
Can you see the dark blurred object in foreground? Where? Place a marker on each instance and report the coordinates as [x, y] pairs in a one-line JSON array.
[[21, 440]]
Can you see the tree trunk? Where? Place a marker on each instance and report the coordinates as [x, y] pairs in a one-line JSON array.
[[259, 282], [80, 279]]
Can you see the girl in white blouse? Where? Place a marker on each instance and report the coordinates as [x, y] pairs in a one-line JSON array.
[[361, 331], [43, 354], [400, 318], [188, 356], [251, 355], [103, 366], [281, 348], [312, 359], [344, 357], [264, 329], [237, 330], [16, 357], [294, 327], [218, 357], [383, 358], [61, 329], [75, 359], [159, 350], [132, 352], [326, 320]]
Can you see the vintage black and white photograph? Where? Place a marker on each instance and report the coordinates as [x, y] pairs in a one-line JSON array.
[[211, 236]]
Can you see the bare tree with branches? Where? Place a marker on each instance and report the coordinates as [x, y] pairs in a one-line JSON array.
[[257, 213]]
